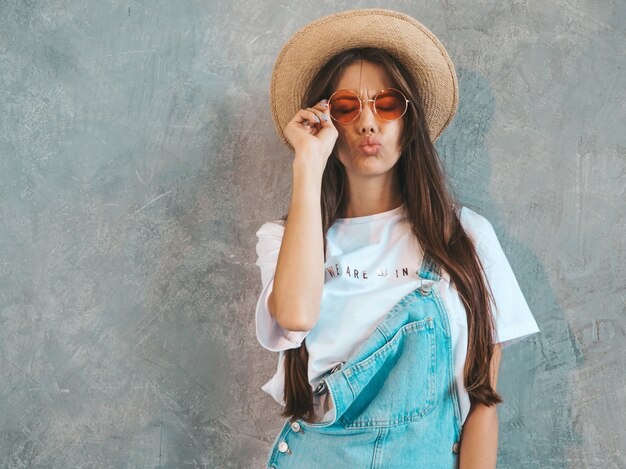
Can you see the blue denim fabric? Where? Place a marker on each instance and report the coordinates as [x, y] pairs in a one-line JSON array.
[[395, 400]]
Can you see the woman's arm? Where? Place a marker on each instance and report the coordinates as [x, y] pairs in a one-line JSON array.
[[296, 297], [479, 444]]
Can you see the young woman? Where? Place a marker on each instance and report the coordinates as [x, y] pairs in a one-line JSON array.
[[387, 301]]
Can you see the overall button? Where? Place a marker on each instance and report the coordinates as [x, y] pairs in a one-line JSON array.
[[425, 288], [295, 426], [455, 447], [284, 447]]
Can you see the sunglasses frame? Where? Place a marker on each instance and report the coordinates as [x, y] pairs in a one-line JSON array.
[[373, 101]]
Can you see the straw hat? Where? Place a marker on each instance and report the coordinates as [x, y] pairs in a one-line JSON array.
[[407, 39]]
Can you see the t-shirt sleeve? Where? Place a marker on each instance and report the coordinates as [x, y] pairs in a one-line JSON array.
[[514, 320], [270, 334]]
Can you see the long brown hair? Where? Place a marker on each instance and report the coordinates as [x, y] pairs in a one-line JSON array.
[[434, 217]]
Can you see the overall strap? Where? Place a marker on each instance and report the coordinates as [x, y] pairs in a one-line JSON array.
[[429, 270]]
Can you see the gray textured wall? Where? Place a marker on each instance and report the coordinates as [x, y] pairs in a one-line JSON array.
[[138, 158]]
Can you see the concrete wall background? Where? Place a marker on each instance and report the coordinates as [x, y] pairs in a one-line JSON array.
[[138, 157]]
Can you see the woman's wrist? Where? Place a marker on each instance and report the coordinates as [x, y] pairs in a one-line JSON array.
[[308, 169]]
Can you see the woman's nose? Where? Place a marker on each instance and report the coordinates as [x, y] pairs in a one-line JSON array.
[[367, 119]]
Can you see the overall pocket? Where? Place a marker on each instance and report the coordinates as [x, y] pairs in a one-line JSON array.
[[397, 382]]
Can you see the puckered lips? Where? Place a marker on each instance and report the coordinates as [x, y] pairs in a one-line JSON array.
[[369, 145]]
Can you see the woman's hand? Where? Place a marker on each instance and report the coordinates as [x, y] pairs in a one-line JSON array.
[[312, 130]]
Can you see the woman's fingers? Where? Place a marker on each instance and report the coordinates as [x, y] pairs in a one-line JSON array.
[[309, 117], [314, 121], [314, 115]]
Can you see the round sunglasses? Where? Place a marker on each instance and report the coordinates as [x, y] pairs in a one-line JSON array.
[[389, 104]]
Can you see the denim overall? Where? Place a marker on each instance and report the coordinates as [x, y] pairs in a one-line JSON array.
[[395, 402]]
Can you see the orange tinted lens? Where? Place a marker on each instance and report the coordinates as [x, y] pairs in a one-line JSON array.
[[344, 106], [390, 104]]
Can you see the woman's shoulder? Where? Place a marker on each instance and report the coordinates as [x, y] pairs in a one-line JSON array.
[[475, 224]]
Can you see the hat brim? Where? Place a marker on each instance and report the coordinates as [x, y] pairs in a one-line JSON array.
[[416, 47]]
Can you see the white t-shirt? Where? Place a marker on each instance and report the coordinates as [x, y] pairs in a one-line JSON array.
[[372, 262]]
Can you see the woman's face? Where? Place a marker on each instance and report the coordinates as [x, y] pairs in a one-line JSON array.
[[366, 79]]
